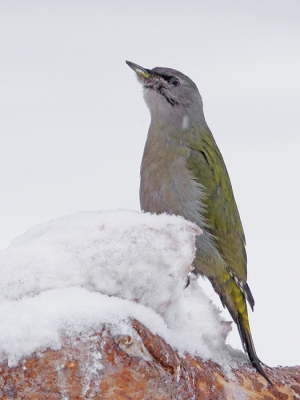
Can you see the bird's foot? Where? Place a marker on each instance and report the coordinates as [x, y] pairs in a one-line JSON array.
[[188, 281]]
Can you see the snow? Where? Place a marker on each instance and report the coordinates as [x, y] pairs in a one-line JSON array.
[[71, 275]]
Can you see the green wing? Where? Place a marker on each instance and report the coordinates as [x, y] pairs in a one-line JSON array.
[[207, 165]]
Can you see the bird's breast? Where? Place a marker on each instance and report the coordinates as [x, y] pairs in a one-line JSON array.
[[167, 185]]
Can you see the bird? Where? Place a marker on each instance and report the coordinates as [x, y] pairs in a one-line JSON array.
[[183, 173]]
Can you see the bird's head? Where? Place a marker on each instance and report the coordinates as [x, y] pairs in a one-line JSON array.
[[169, 94]]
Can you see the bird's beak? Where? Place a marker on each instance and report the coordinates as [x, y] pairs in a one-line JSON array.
[[145, 73]]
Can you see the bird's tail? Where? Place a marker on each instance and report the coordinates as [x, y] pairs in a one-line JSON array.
[[246, 338], [234, 299]]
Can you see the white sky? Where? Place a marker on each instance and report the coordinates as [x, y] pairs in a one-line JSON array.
[[73, 122]]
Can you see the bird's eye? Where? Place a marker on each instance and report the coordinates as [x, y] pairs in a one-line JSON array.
[[174, 82]]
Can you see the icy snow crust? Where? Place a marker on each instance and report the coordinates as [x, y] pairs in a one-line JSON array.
[[73, 274]]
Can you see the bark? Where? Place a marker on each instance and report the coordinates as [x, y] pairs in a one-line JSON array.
[[104, 366]]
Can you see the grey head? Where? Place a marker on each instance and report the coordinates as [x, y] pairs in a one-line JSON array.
[[169, 94]]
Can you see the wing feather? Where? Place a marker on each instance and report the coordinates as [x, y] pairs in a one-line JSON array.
[[207, 166]]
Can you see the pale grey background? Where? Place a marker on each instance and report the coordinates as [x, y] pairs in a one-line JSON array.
[[73, 122]]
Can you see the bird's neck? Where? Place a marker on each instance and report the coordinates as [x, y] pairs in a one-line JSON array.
[[176, 120]]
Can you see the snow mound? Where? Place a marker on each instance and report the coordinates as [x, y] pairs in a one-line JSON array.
[[71, 275]]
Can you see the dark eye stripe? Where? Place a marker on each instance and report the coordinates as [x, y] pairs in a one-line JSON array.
[[173, 80]]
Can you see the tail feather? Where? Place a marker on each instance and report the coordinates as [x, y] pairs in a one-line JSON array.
[[233, 294], [234, 299], [249, 347]]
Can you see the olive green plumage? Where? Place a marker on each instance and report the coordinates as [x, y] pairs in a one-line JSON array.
[[183, 173], [207, 166]]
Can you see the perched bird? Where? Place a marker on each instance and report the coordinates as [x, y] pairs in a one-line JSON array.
[[183, 173]]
